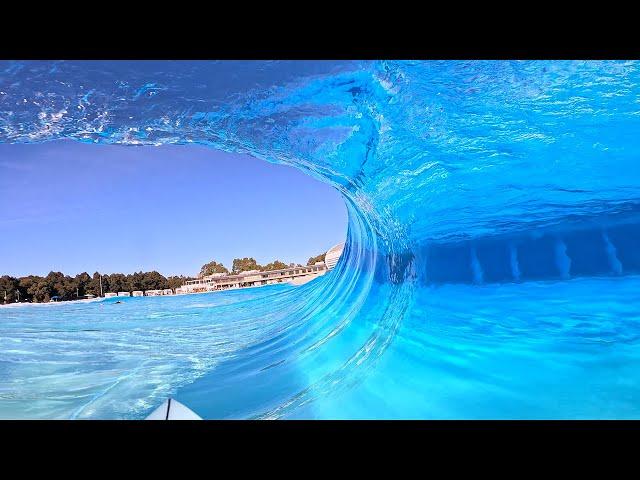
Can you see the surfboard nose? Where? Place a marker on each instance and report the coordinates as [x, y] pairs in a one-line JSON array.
[[173, 410]]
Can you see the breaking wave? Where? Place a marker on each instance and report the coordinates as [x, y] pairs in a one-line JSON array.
[[493, 227]]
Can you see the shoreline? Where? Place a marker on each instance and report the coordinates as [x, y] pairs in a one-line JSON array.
[[42, 304], [293, 283]]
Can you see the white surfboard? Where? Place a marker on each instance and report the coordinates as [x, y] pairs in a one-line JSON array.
[[172, 410]]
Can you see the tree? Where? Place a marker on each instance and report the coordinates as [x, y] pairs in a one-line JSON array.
[[8, 289], [40, 289], [26, 286], [106, 284], [153, 281], [93, 287], [175, 281], [83, 281], [275, 265], [244, 265], [213, 267], [134, 281], [317, 258], [118, 283]]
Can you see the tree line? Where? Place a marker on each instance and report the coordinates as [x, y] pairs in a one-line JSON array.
[[34, 288], [241, 265]]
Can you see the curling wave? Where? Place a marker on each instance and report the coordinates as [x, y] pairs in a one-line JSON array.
[[476, 191]]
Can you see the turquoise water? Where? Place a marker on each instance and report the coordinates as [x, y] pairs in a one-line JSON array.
[[491, 268]]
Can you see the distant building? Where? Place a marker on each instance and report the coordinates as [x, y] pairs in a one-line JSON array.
[[333, 255], [137, 293], [220, 274], [158, 293], [110, 295], [124, 294], [253, 278]]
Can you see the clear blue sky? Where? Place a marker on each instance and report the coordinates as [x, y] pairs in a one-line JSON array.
[[73, 207]]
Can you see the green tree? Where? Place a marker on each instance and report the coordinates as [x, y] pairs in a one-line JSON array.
[[56, 284], [39, 289], [244, 265], [118, 283], [34, 288], [83, 281], [153, 281], [8, 289], [275, 265], [106, 284], [93, 287], [211, 268], [175, 281], [26, 285], [317, 258]]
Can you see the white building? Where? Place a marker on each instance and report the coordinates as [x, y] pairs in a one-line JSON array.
[[138, 293], [333, 255], [167, 291], [153, 293], [110, 295], [124, 294], [254, 278]]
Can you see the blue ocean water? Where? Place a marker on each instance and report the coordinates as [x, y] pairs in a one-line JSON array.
[[491, 268]]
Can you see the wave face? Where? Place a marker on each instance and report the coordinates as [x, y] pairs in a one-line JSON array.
[[491, 265]]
